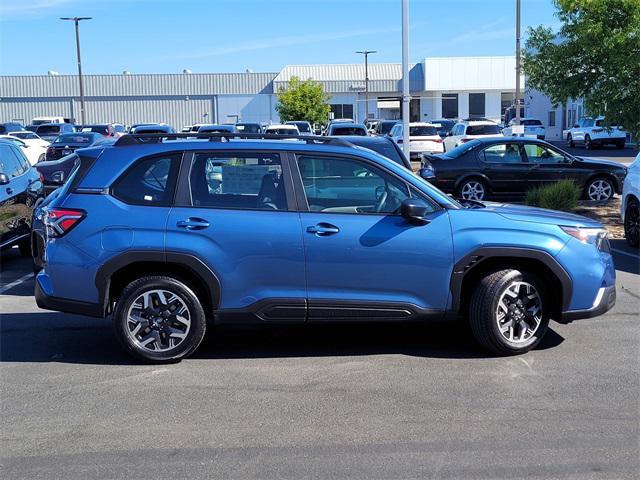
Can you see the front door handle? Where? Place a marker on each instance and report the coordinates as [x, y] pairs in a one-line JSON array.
[[193, 223], [323, 229]]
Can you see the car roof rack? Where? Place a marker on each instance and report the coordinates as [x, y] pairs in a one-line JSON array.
[[143, 138]]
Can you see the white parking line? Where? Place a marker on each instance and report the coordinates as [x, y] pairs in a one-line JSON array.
[[15, 283], [626, 253]]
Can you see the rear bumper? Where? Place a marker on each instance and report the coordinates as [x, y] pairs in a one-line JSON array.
[[605, 300], [49, 302]]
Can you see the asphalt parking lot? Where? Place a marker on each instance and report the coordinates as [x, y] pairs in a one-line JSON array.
[[370, 401]]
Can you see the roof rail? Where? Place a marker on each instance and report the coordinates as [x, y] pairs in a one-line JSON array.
[[142, 138]]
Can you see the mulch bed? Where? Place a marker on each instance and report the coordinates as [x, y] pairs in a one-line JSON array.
[[607, 213]]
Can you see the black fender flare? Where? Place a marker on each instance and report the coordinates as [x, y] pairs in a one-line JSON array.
[[186, 260], [471, 260]]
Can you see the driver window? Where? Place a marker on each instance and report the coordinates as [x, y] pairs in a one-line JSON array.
[[345, 185], [540, 154]]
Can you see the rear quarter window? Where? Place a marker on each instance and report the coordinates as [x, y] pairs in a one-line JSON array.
[[150, 181]]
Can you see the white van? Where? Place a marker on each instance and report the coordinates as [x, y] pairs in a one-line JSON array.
[[42, 120]]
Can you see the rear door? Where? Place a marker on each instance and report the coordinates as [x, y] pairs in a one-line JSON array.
[[235, 211], [365, 261], [505, 166], [15, 203]]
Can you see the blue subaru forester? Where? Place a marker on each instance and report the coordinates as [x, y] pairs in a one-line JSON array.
[[168, 234]]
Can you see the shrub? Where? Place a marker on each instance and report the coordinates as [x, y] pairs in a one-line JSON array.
[[562, 195]]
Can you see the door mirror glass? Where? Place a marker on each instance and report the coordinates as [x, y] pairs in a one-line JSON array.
[[415, 210], [4, 180], [427, 173]]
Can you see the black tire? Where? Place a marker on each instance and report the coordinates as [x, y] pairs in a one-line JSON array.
[[467, 183], [197, 318], [570, 143], [25, 247], [483, 312], [587, 143], [632, 223]]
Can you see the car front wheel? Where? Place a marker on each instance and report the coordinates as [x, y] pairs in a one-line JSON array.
[[472, 189], [570, 143], [587, 143], [632, 223], [508, 312], [159, 319]]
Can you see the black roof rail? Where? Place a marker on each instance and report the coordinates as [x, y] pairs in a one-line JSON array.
[[142, 138]]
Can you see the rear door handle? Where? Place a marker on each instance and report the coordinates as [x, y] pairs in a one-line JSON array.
[[193, 223], [323, 229]]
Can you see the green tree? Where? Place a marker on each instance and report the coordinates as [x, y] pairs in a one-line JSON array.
[[303, 100], [595, 55]]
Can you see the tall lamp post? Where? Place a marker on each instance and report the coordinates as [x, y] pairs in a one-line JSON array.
[[366, 81], [77, 20], [518, 66]]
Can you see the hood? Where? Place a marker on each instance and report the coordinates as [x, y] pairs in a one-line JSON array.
[[524, 213], [601, 161]]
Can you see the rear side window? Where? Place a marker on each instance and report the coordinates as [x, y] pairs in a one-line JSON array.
[[502, 153], [151, 181], [250, 181]]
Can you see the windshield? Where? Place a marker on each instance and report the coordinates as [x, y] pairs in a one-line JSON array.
[[422, 131], [75, 138], [48, 129], [349, 131], [536, 123], [385, 127], [281, 131], [101, 129], [302, 126], [462, 148], [482, 130], [248, 127], [25, 135]]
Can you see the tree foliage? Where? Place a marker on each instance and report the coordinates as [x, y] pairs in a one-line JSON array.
[[595, 55], [303, 100]]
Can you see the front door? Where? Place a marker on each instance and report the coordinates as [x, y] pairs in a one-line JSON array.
[[547, 165], [234, 212], [365, 261]]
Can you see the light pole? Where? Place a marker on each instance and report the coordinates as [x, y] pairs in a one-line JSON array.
[[518, 67], [406, 98], [366, 82], [77, 20]]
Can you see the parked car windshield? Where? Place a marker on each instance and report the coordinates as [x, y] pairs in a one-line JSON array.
[[248, 127], [482, 129], [25, 135], [385, 127], [48, 129], [75, 138], [422, 131], [302, 126], [101, 129], [537, 123]]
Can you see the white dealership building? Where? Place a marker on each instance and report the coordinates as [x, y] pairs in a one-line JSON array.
[[441, 87]]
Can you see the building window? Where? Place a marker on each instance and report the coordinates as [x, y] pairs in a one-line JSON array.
[[450, 105], [342, 110], [476, 105], [506, 100], [552, 118]]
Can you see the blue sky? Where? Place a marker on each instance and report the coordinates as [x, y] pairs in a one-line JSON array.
[[166, 36]]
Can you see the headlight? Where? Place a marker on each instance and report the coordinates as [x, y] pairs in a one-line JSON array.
[[594, 236]]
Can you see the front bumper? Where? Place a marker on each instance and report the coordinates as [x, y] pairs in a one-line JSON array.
[[605, 300]]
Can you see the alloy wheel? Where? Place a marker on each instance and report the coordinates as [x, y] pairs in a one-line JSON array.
[[472, 190], [600, 190], [158, 321], [519, 312]]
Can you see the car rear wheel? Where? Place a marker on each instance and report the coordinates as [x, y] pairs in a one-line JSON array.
[[508, 312], [472, 189], [599, 189], [632, 223], [159, 319], [570, 143]]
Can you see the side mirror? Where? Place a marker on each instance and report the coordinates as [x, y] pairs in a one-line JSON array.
[[415, 210], [4, 180], [427, 173]]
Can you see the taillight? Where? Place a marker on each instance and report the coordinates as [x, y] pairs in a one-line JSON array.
[[59, 221], [439, 140]]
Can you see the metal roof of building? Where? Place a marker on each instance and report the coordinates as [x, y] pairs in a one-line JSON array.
[[52, 86]]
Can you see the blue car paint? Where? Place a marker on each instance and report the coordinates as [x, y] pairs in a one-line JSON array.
[[264, 254]]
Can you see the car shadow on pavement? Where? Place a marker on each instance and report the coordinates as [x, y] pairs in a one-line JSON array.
[[629, 261], [57, 337]]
